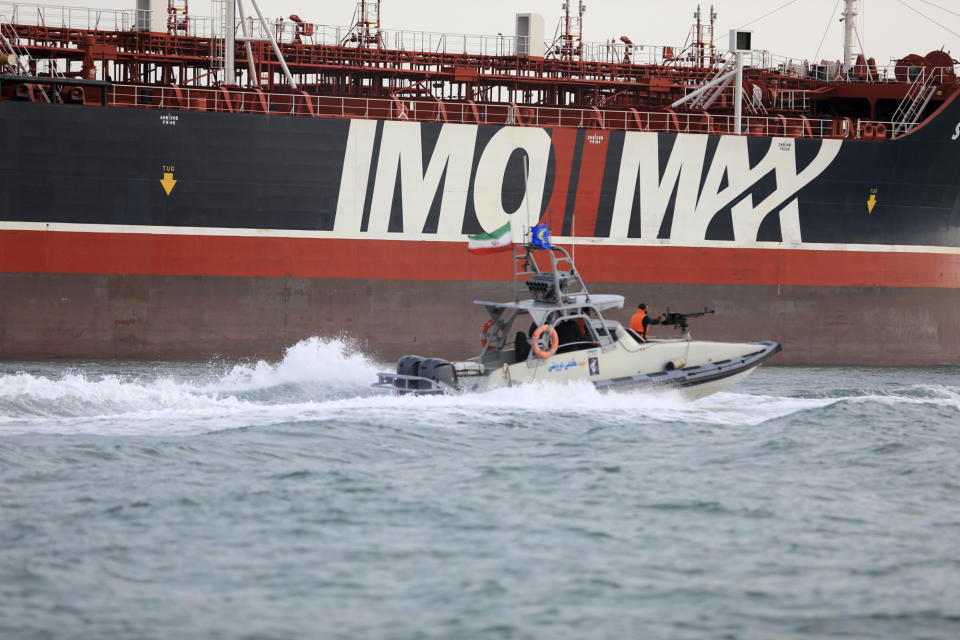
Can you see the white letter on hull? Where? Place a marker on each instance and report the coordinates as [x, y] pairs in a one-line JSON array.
[[401, 147], [782, 159], [488, 186], [692, 215], [356, 173], [731, 159], [641, 157]]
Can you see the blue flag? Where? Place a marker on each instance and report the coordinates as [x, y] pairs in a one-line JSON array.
[[540, 236]]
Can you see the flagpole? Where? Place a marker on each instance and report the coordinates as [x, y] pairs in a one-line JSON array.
[[526, 190], [573, 235]]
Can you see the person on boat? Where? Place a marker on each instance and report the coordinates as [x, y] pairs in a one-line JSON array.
[[582, 322], [640, 320], [572, 337]]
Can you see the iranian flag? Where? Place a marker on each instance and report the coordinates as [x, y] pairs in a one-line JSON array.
[[499, 240]]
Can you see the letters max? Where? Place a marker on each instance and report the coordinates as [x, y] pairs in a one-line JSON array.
[[688, 179]]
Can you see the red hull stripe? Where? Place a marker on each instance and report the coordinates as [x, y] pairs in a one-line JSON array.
[[591, 178], [132, 253], [564, 140]]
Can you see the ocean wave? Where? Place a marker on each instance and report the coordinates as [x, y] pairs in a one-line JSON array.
[[906, 392]]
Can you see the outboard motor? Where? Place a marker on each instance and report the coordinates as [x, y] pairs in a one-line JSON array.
[[409, 366], [439, 371], [423, 370]]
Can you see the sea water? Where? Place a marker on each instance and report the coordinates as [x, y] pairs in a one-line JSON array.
[[291, 500]]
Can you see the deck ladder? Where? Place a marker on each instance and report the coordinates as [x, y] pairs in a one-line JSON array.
[[911, 108], [9, 45]]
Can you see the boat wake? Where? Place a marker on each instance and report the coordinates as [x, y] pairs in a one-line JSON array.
[[329, 380]]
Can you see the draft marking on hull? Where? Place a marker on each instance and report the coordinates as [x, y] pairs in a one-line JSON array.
[[168, 182]]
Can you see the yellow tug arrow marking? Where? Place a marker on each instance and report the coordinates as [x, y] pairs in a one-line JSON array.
[[168, 182], [871, 203]]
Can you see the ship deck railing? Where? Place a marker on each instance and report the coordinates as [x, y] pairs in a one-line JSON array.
[[302, 104], [68, 17], [289, 32]]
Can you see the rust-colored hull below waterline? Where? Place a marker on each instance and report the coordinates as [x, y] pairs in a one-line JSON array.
[[198, 317]]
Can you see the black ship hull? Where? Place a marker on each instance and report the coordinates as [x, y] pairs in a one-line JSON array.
[[128, 232]]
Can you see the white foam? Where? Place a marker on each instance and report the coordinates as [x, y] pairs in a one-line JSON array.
[[331, 363], [320, 380], [315, 370]]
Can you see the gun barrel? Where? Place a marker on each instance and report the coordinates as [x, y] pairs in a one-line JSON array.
[[680, 319], [695, 314]]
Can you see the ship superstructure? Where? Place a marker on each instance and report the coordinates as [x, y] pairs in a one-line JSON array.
[[160, 56]]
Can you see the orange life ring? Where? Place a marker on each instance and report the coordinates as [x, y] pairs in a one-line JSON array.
[[483, 332], [554, 341]]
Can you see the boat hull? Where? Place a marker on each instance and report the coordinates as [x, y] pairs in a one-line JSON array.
[[691, 368], [696, 392]]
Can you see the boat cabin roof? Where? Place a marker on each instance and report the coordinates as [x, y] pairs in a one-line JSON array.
[[540, 310]]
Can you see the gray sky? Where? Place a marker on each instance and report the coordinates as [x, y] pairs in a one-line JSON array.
[[888, 28]]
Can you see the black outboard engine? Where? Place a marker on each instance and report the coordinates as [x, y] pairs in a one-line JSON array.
[[409, 366], [439, 371], [415, 375]]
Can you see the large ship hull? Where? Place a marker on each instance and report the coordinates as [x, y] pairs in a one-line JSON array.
[[279, 228], [192, 317]]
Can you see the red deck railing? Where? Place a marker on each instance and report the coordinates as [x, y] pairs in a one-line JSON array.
[[305, 105]]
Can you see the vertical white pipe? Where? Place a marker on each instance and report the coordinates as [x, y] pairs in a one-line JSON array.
[[254, 81], [849, 24], [229, 42], [276, 47]]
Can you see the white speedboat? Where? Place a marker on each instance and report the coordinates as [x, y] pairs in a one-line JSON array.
[[557, 332]]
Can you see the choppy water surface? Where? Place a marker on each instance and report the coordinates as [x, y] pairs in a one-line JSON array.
[[287, 500]]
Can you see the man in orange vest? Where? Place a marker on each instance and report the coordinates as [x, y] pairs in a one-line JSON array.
[[640, 321]]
